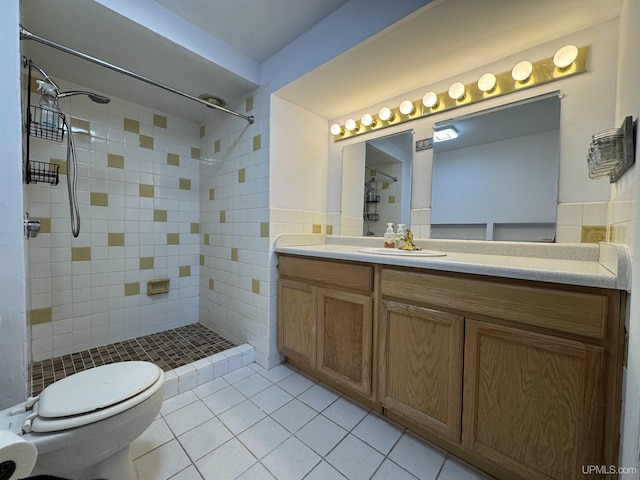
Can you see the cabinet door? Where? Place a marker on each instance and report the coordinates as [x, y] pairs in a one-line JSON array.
[[532, 403], [421, 366], [297, 321], [345, 338]]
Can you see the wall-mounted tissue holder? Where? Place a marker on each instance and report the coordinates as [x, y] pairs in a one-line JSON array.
[[612, 152], [157, 286]]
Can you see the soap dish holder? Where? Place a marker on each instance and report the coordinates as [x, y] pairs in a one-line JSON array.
[[158, 286]]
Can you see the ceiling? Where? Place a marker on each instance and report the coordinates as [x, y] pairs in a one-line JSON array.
[[248, 31], [437, 41]]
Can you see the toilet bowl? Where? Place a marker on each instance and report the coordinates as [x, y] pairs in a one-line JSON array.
[[82, 425]]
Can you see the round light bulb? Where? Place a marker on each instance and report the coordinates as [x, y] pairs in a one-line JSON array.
[[385, 114], [350, 125], [406, 107], [487, 82], [565, 56], [336, 129], [522, 71], [430, 99], [367, 120], [456, 91]]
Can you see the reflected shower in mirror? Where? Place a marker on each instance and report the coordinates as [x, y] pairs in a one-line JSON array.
[[382, 169], [498, 179]]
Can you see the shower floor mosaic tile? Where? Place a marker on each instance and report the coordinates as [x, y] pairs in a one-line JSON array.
[[169, 350]]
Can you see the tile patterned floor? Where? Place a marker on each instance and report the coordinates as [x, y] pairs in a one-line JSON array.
[[264, 424], [169, 349]]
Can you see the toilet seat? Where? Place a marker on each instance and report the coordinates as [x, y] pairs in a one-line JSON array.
[[93, 395]]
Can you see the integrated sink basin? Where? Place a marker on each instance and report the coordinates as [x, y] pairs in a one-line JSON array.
[[396, 252]]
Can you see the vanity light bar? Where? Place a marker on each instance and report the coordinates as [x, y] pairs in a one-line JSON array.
[[568, 61]]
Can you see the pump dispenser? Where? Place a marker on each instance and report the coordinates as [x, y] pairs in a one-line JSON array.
[[389, 237], [399, 235], [48, 105]]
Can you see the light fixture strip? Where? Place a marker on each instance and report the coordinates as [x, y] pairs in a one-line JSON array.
[[544, 71]]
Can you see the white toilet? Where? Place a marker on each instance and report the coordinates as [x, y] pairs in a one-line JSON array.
[[83, 424]]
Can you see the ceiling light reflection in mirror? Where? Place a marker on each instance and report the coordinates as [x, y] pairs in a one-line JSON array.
[[568, 60]]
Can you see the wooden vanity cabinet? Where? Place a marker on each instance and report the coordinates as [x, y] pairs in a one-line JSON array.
[[325, 320], [539, 368], [520, 378]]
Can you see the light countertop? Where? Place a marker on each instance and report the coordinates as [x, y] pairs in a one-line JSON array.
[[593, 265]]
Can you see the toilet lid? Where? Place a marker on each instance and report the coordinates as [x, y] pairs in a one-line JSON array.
[[96, 389]]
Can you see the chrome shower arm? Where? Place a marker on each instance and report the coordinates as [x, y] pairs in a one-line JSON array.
[[44, 74], [26, 35]]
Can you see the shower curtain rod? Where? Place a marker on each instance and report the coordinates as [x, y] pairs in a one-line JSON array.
[[395, 179], [26, 35]]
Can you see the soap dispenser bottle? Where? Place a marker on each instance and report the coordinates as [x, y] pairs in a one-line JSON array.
[[48, 105], [400, 235], [389, 237]]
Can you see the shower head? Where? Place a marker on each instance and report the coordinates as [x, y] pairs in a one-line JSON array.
[[93, 96]]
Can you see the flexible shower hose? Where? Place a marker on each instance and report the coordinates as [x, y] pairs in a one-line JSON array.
[[72, 181]]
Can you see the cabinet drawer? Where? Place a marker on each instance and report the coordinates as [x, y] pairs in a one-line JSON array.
[[335, 274], [575, 311]]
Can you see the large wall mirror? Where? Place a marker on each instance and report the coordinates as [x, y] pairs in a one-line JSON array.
[[376, 184], [498, 179]]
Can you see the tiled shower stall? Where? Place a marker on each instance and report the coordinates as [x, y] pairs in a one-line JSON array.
[[160, 197]]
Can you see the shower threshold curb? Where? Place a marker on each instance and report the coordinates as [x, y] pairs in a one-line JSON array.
[[188, 377]]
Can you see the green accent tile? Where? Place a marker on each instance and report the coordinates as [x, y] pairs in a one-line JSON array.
[[315, 228], [255, 285], [173, 239], [185, 184], [329, 229], [217, 146], [132, 126], [212, 194], [146, 190], [195, 152], [80, 127], [80, 254], [211, 284], [257, 143], [99, 199], [116, 239], [185, 270], [115, 161], [62, 168], [146, 263], [40, 315], [195, 227], [264, 229], [248, 104], [223, 216], [146, 141], [385, 185], [173, 159], [234, 254], [202, 260], [159, 121], [45, 225], [392, 199], [242, 175], [202, 131], [206, 239], [131, 289], [159, 215]]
